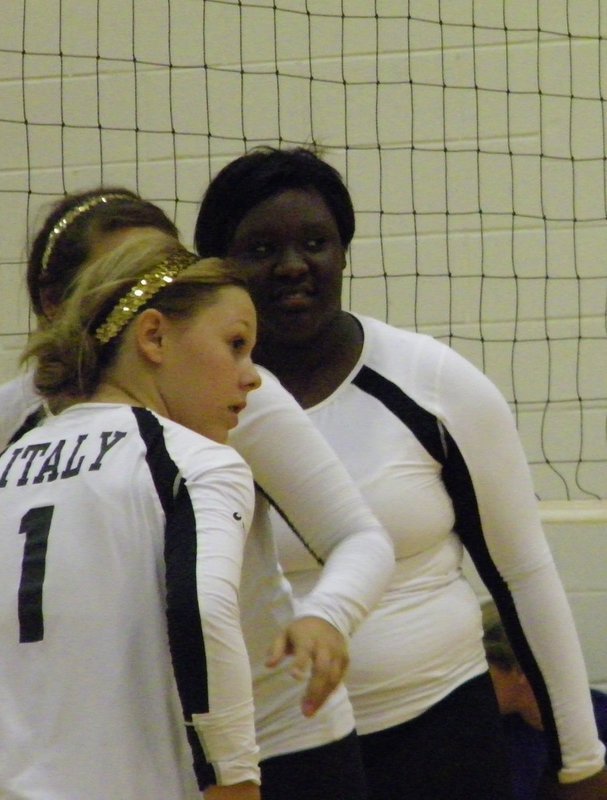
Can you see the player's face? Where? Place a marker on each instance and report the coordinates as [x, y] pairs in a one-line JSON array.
[[207, 370], [291, 250]]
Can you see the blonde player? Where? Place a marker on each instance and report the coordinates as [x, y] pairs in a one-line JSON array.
[[123, 669]]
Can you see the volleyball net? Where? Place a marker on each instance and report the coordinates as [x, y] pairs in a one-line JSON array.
[[471, 134]]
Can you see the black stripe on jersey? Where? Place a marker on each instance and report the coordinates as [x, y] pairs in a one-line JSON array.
[[186, 640], [422, 424], [469, 528], [442, 447], [274, 504]]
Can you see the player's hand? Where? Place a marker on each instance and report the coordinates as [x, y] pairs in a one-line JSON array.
[[319, 652], [593, 788]]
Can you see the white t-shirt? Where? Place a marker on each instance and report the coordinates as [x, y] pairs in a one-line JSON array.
[[121, 545], [412, 419]]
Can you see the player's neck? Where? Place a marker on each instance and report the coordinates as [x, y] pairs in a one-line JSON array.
[[116, 393], [313, 370]]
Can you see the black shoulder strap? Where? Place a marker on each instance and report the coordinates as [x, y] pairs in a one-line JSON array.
[[422, 424]]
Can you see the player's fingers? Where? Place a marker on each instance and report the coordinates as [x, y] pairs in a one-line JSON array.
[[303, 659], [278, 651], [332, 661], [318, 689], [328, 670]]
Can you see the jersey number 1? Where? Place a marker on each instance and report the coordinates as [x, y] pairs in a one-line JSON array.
[[35, 525]]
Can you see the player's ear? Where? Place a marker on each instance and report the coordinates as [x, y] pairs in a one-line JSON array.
[[150, 329]]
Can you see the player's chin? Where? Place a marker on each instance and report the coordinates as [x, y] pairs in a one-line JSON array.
[[226, 420], [220, 434], [218, 430]]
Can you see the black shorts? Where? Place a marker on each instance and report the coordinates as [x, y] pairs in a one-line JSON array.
[[454, 751], [331, 772]]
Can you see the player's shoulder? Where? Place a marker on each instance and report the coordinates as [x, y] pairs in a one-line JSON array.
[[18, 399], [385, 337], [404, 357], [20, 388], [193, 452], [270, 390], [267, 402]]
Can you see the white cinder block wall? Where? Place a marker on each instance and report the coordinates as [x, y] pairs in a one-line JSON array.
[[471, 136]]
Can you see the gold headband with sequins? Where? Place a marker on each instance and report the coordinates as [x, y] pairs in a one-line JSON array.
[[145, 288], [70, 216]]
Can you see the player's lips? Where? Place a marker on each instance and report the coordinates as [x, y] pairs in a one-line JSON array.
[[293, 297], [234, 411]]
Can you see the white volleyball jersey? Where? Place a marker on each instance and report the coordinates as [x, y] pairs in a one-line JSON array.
[[123, 670], [433, 447], [291, 463]]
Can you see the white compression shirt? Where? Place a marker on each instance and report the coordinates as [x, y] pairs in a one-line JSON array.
[[412, 418], [291, 463], [119, 619]]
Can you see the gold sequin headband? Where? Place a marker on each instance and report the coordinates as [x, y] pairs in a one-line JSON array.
[[70, 216], [145, 288]]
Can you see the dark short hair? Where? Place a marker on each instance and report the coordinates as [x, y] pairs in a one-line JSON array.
[[124, 209], [258, 175]]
